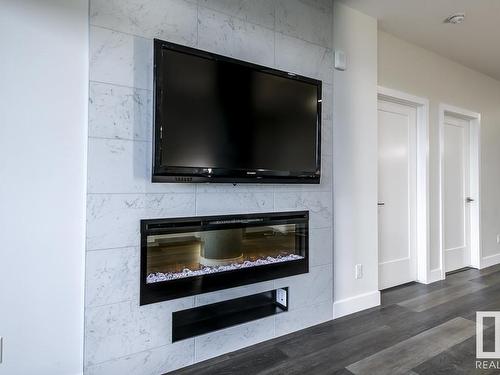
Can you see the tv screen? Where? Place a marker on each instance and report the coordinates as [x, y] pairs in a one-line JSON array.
[[222, 120]]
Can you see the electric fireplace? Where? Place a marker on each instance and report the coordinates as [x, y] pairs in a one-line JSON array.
[[187, 256]]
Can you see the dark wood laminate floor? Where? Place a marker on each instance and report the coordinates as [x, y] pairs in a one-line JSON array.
[[418, 329]]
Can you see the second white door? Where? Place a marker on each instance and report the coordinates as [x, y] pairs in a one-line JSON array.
[[455, 180], [397, 132]]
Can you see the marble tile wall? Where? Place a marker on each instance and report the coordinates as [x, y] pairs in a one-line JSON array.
[[295, 35]]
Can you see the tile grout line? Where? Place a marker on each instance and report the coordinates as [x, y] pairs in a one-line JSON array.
[[265, 27], [274, 33], [113, 248], [146, 193], [127, 355], [107, 83], [92, 307], [120, 139], [225, 14], [93, 81]]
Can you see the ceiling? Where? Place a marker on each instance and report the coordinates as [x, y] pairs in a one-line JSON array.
[[474, 43]]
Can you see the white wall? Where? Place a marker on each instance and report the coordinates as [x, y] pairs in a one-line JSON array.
[[43, 110], [409, 68], [355, 162]]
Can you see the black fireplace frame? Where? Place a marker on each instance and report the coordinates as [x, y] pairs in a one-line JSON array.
[[172, 289]]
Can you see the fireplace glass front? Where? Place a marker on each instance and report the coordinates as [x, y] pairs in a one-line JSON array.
[[207, 253]]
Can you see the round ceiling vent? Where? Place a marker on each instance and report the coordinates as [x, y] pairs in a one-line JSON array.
[[455, 18]]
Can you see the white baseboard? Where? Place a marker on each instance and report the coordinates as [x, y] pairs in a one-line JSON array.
[[490, 260], [357, 303]]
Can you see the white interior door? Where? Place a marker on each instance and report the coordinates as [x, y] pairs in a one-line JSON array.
[[397, 155], [455, 180]]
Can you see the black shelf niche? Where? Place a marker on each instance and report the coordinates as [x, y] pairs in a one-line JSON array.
[[208, 318]]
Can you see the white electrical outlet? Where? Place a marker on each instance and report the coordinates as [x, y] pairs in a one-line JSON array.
[[359, 271], [498, 238], [281, 296]]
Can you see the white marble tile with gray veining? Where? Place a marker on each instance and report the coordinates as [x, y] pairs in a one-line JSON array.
[[150, 362], [301, 20], [327, 138], [260, 12], [171, 20], [120, 58], [325, 6], [120, 112], [112, 276], [304, 58], [230, 36], [226, 294], [113, 220], [302, 318], [326, 182], [124, 166], [327, 102], [233, 338], [233, 188], [120, 329], [319, 205], [117, 166], [320, 246], [233, 203], [307, 289]]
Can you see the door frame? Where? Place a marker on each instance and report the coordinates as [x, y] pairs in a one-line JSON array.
[[422, 175], [474, 119]]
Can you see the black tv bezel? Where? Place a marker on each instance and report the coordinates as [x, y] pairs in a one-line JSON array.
[[175, 174]]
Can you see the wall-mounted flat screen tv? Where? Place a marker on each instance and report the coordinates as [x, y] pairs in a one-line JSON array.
[[217, 119]]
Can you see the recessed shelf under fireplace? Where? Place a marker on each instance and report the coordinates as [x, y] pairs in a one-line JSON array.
[[186, 256]]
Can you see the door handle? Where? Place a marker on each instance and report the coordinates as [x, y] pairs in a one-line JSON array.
[[381, 204], [469, 200]]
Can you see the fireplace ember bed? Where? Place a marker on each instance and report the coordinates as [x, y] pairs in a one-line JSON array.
[[187, 256]]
